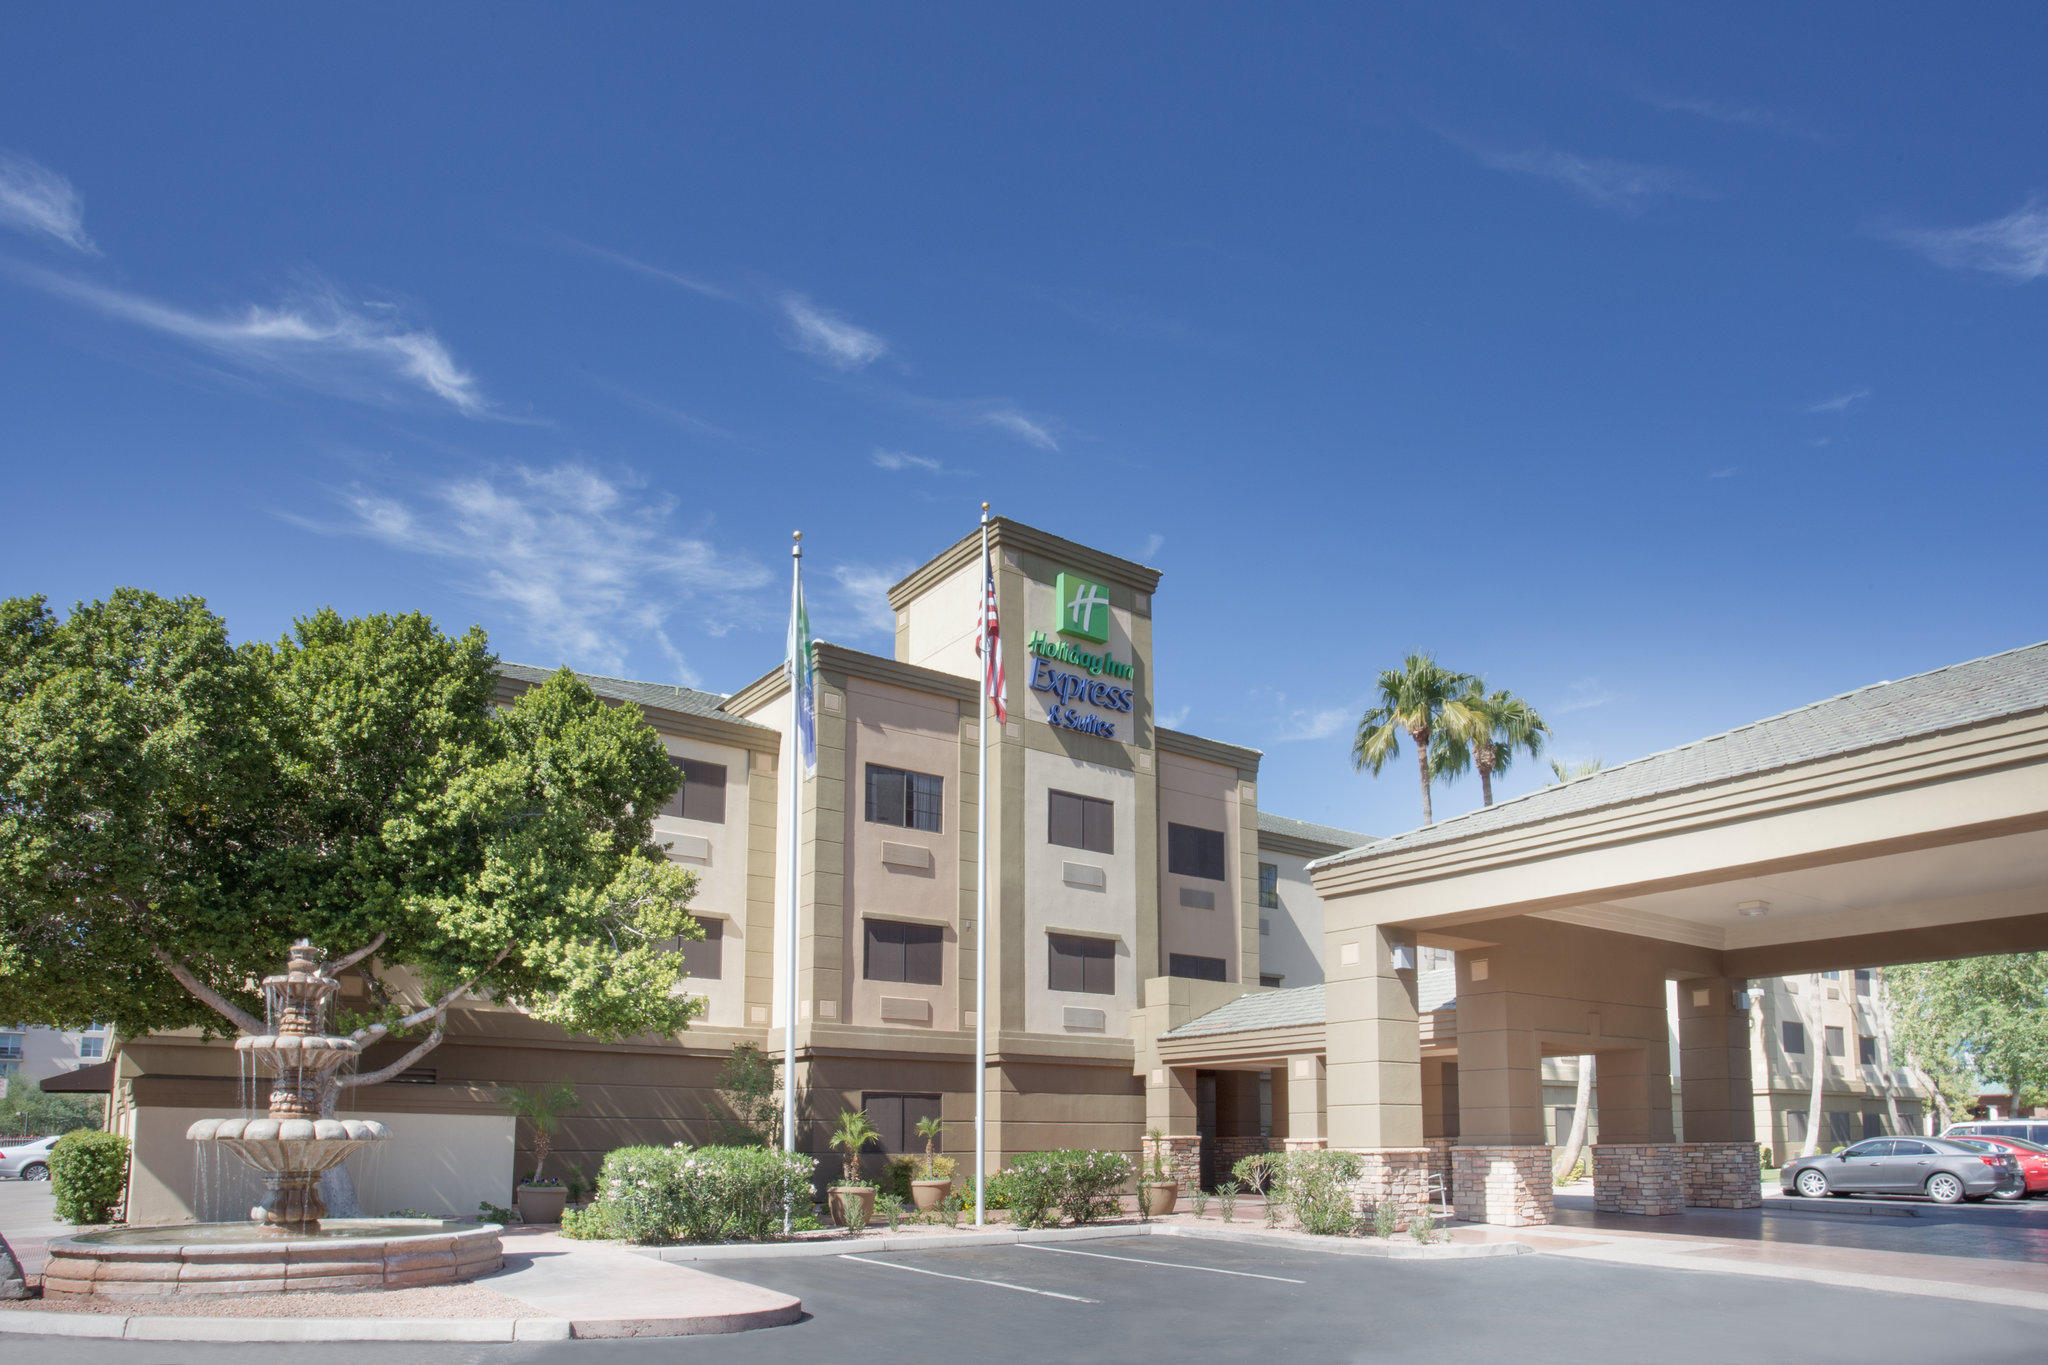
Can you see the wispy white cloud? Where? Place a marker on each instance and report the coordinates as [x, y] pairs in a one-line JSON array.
[[827, 336], [674, 416], [897, 461], [2015, 246], [1725, 472], [1624, 186], [589, 565], [1584, 694], [1735, 114], [640, 267], [855, 605], [35, 199], [314, 336], [1175, 718], [1025, 427], [1841, 402], [1153, 544], [1292, 723]]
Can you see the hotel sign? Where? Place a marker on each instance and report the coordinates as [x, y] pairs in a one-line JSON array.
[[1083, 613]]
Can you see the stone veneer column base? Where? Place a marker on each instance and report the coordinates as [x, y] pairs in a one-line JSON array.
[[1231, 1150], [1183, 1159], [1722, 1175], [1506, 1186], [1393, 1175], [1314, 1144], [1638, 1177]]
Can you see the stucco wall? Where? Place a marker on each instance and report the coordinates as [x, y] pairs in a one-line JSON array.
[[1194, 792], [1051, 902], [898, 728], [938, 628], [721, 873], [1293, 943]]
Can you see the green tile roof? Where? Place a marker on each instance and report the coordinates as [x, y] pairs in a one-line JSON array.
[[1953, 698], [667, 697], [1270, 823]]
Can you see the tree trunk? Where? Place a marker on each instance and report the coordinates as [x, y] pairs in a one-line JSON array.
[[1582, 1104], [1817, 1055], [1421, 738], [1884, 1050], [1485, 782]]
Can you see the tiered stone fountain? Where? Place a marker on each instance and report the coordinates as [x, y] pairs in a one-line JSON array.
[[289, 1242]]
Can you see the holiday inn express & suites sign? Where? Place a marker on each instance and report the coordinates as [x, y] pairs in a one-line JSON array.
[[1083, 614]]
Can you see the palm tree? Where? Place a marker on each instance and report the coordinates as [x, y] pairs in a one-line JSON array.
[[1411, 701], [1572, 772], [1484, 729]]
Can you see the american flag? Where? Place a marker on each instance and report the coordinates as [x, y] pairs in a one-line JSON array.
[[988, 643]]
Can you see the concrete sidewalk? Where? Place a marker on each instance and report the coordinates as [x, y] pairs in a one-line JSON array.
[[607, 1291]]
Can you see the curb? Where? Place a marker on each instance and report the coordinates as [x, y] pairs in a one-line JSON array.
[[1335, 1246], [142, 1327]]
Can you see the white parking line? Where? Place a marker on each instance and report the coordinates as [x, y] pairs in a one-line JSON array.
[[966, 1279], [1170, 1265]]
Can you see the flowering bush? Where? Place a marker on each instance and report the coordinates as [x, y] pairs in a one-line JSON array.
[[702, 1194], [1042, 1188]]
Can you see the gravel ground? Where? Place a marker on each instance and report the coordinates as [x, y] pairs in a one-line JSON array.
[[434, 1301]]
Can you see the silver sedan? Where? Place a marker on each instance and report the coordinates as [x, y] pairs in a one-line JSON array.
[[29, 1160], [1945, 1171]]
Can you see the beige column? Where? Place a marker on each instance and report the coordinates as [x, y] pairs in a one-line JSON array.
[[1635, 1095], [1170, 1112], [1717, 1101], [1306, 1087], [1373, 1044], [1500, 1161]]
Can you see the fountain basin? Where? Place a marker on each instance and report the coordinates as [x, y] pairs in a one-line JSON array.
[[278, 1146], [342, 1254]]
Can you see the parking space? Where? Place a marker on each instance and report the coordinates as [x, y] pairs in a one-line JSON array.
[[1991, 1231]]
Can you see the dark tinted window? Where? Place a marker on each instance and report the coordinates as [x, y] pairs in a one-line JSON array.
[[1838, 1127], [1866, 1051], [1081, 964], [1195, 968], [895, 1118], [705, 957], [1870, 1149], [1794, 1035], [906, 800], [896, 951], [1269, 886], [702, 795], [1194, 852], [1911, 1149], [1836, 1043], [1081, 822]]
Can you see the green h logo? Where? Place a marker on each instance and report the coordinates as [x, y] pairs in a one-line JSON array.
[[1084, 608]]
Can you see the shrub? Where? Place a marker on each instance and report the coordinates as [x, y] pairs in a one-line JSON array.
[[704, 1194], [1226, 1200], [1254, 1174], [1386, 1219], [891, 1209], [88, 1172], [1317, 1187], [896, 1181], [1045, 1188]]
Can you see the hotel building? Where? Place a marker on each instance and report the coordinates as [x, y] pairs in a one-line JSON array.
[[1134, 883]]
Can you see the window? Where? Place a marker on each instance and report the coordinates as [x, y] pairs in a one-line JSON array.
[[1195, 968], [1271, 980], [1873, 1123], [1081, 822], [1194, 852], [1837, 1044], [1269, 886], [1795, 1125], [895, 1118], [1793, 1034], [1871, 1149], [1831, 976], [702, 795], [1866, 1051], [1562, 1117], [10, 1047], [1082, 964], [906, 800], [1838, 1127], [1863, 975], [91, 1049], [1911, 1149], [1435, 958], [705, 957], [909, 953]]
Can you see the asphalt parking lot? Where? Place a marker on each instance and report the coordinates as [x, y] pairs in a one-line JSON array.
[[1124, 1299]]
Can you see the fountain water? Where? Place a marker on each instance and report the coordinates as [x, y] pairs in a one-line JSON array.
[[289, 1242]]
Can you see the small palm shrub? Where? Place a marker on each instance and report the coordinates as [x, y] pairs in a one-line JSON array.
[[1226, 1200], [88, 1172]]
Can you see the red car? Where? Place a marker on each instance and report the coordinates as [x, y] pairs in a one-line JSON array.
[[2032, 1156]]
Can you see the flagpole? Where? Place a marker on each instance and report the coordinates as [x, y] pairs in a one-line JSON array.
[[793, 781], [981, 915]]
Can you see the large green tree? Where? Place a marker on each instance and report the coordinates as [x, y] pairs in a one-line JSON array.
[[1484, 730], [1972, 1018], [1410, 702], [176, 810]]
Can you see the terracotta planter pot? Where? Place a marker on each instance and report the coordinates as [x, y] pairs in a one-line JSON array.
[[929, 1194], [541, 1203], [864, 1193], [1161, 1196]]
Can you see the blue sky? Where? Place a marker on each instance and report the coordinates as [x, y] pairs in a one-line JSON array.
[[1671, 368]]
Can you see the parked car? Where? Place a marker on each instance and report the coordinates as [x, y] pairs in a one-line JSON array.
[[28, 1160], [2031, 1130], [1945, 1171], [2032, 1156]]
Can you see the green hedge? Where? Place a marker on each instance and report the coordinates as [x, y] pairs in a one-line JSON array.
[[88, 1173], [1042, 1189], [701, 1194]]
